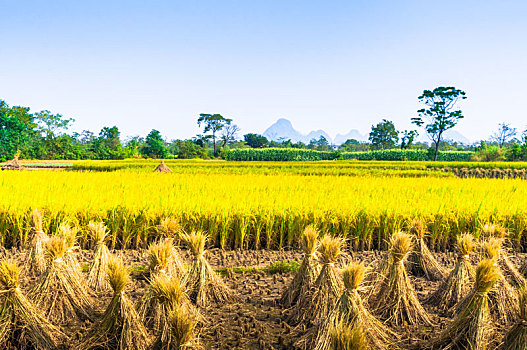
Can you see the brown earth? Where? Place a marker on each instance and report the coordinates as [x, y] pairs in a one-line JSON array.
[[257, 321]]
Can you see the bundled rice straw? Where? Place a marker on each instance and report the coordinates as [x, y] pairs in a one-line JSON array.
[[461, 279], [503, 298], [516, 338], [59, 294], [97, 276], [308, 271], [21, 324], [36, 261], [421, 260], [203, 284], [120, 326], [181, 332], [165, 293], [169, 227], [327, 287], [69, 234], [396, 301], [472, 329], [346, 338], [163, 258], [350, 312]]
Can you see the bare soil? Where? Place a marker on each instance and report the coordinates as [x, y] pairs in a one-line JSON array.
[[257, 321]]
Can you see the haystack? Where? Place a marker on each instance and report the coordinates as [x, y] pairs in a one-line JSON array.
[[471, 329], [326, 289], [13, 164], [350, 312], [460, 280], [59, 294], [203, 284], [120, 326], [396, 301], [36, 261], [162, 168], [181, 332], [97, 276], [21, 323], [308, 271], [516, 338], [421, 261]]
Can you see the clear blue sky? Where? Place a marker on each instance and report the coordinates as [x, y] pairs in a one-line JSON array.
[[332, 65]]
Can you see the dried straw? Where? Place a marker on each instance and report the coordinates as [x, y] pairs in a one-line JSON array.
[[97, 276], [21, 324], [36, 261], [182, 332], [516, 338], [396, 301], [164, 258], [169, 228], [421, 260], [308, 271], [346, 338]]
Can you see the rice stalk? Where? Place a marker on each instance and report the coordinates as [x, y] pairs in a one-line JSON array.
[[460, 280], [69, 234], [164, 258], [169, 228], [60, 295], [97, 275], [36, 258], [327, 288], [21, 324], [181, 332], [203, 284], [308, 271], [472, 329], [120, 326], [396, 301], [347, 338], [421, 261], [516, 338]]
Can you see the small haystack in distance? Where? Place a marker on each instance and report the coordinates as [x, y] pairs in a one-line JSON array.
[[36, 261], [503, 298], [471, 329], [21, 323], [516, 338], [59, 294], [97, 276], [396, 301], [162, 168], [120, 326], [308, 271], [164, 258], [13, 164], [350, 311], [346, 338], [203, 284], [326, 289], [181, 332], [421, 261], [461, 279], [164, 293]]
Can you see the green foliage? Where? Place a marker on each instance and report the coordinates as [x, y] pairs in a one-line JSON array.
[[283, 266], [279, 154], [155, 146], [488, 153], [321, 144], [384, 135], [408, 138], [187, 149], [255, 140], [213, 123], [16, 128], [352, 145]]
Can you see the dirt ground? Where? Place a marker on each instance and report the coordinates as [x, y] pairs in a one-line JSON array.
[[257, 321]]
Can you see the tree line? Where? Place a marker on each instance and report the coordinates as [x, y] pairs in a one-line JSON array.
[[43, 135]]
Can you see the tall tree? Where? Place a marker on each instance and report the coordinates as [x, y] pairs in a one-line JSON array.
[[50, 124], [384, 135], [439, 114], [504, 134], [213, 123], [229, 134], [16, 129], [408, 138], [155, 146]]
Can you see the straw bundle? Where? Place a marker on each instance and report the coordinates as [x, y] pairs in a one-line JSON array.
[[396, 301], [308, 271], [69, 234], [169, 227], [181, 332], [203, 284], [460, 280], [516, 338], [36, 262], [347, 338], [21, 324], [120, 326], [421, 261], [60, 295], [163, 258], [97, 276]]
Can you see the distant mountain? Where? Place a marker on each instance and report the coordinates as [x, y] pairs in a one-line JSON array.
[[353, 134], [282, 129]]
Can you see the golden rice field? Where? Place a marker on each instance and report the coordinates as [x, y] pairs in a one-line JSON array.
[[251, 208]]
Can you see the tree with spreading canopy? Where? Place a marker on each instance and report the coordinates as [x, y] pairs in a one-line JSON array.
[[213, 123], [439, 115], [384, 135], [504, 134]]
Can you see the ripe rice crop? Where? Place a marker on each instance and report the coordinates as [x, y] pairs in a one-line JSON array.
[[259, 206]]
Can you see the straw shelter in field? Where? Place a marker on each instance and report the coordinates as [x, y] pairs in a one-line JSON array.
[[162, 168]]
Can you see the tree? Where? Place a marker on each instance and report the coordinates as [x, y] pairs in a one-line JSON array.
[[352, 145], [439, 115], [108, 144], [408, 138], [50, 124], [384, 135], [213, 123], [321, 144], [504, 134], [155, 146], [229, 134], [255, 140], [16, 129]]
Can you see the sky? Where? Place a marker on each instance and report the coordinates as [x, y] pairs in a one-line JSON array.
[[331, 65]]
